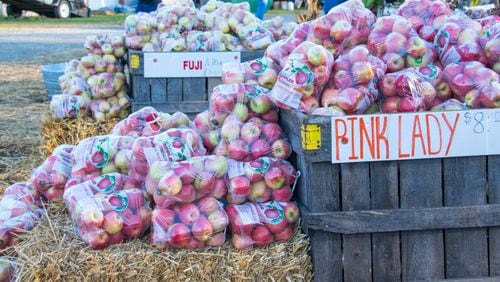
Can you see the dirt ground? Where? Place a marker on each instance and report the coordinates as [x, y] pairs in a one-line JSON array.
[[23, 98]]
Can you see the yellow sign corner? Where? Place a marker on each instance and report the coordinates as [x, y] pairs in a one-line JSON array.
[[311, 136], [134, 61]]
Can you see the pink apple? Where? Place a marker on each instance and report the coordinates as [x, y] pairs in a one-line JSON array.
[[402, 26], [317, 55], [250, 132], [362, 72], [283, 194], [202, 229], [178, 235], [416, 47], [261, 104], [394, 62], [262, 236], [207, 205], [217, 240], [239, 185], [340, 30], [204, 182], [409, 104], [391, 104], [272, 132], [358, 54], [443, 91], [395, 42], [188, 214], [170, 185], [117, 238], [281, 149], [285, 235], [219, 220], [97, 239], [220, 189], [132, 226], [238, 150], [388, 85], [259, 149], [242, 242], [164, 218], [274, 177], [291, 212], [259, 192], [92, 218], [113, 222], [460, 85]]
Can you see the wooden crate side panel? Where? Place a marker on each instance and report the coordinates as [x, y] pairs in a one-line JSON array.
[[494, 198], [190, 107], [326, 248], [159, 90], [212, 82], [356, 196], [464, 185], [386, 252], [141, 89], [194, 89], [174, 89], [422, 252]]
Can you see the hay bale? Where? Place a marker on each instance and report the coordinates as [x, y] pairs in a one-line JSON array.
[[69, 131], [52, 252]]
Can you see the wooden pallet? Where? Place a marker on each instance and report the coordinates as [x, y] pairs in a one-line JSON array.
[[406, 220]]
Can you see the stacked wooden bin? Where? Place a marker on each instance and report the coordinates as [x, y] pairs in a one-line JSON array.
[[400, 220], [188, 95]]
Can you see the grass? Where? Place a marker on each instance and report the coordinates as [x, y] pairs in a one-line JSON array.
[[116, 19]]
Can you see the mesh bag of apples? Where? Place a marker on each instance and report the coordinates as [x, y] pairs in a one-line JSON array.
[[20, 209]]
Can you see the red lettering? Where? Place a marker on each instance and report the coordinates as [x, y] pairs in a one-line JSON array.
[[440, 135], [401, 155], [382, 137], [363, 132], [452, 130], [184, 64], [419, 135], [339, 137], [353, 151]]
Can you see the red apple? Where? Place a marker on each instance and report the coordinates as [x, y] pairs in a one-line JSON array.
[[164, 218], [274, 177], [291, 212], [272, 132], [281, 149], [283, 194], [238, 150], [259, 192], [178, 235], [262, 236], [97, 239], [284, 235], [188, 214], [207, 205], [116, 238], [220, 189], [217, 240], [259, 149], [92, 218], [169, 185], [219, 220], [113, 222], [202, 229], [239, 185], [132, 226]]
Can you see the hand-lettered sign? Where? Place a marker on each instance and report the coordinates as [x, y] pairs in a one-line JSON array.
[[415, 135], [187, 64]]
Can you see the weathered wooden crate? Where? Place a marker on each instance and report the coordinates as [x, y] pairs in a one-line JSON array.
[[188, 95], [409, 220]]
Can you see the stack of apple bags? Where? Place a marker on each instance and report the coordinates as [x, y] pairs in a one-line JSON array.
[[94, 85], [423, 59], [216, 26]]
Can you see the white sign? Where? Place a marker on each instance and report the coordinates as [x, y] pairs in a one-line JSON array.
[[187, 64], [415, 135]]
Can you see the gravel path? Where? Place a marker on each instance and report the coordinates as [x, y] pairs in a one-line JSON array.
[[22, 44]]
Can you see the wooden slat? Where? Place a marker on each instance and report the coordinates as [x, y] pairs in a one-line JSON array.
[[494, 198], [422, 252], [159, 90], [141, 89], [174, 89], [194, 89], [481, 279], [251, 55], [391, 220], [192, 107], [326, 248], [385, 246], [212, 82], [465, 184], [356, 196]]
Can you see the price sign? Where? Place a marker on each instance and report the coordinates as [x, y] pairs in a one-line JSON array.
[[187, 64], [415, 135]]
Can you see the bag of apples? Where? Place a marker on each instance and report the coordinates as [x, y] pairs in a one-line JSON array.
[[104, 85], [242, 101], [426, 16], [248, 141], [261, 180], [72, 84], [209, 135], [19, 212], [262, 71], [117, 106], [186, 181], [189, 225], [278, 52], [93, 64], [302, 80], [105, 44], [458, 41], [450, 105], [50, 178], [260, 224], [175, 144], [103, 154], [345, 26], [490, 41], [111, 218], [138, 29], [413, 89], [355, 78], [394, 40], [255, 36], [148, 122], [175, 17], [69, 106], [475, 84], [204, 41], [100, 185]]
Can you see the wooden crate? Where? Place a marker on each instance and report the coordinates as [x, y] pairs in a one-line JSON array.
[[188, 95], [409, 220]]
